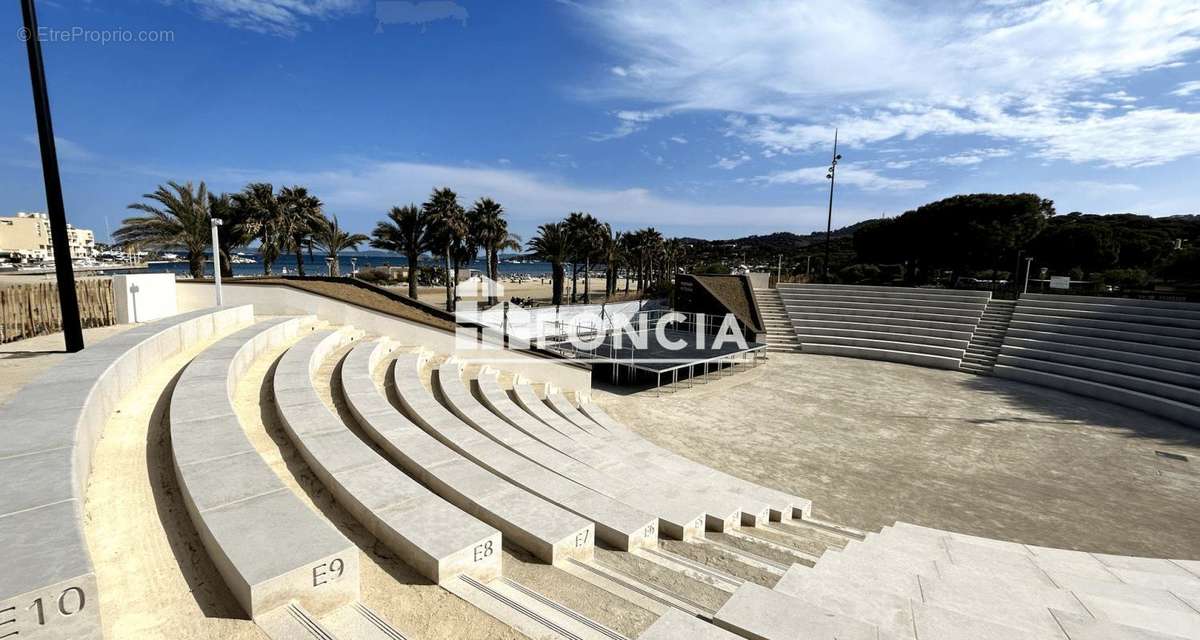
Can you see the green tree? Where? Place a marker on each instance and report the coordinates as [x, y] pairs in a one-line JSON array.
[[405, 231], [238, 228], [299, 214], [257, 203], [329, 236], [177, 216], [448, 224], [553, 244]]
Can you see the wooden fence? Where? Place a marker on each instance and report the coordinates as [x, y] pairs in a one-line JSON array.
[[29, 310]]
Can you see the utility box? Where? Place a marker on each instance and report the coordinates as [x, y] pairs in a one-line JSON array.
[[143, 297]]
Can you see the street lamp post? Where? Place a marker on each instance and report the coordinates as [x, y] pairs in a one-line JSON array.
[[216, 249], [64, 270], [1028, 267], [831, 177]]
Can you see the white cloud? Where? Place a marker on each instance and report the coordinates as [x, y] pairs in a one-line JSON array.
[[628, 121], [1008, 70], [849, 173], [275, 17], [1187, 88], [732, 162], [619, 71], [1134, 137], [678, 139], [67, 150], [366, 189], [973, 156]]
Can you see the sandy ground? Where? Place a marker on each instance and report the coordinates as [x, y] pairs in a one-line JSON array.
[[155, 578], [23, 360], [874, 442]]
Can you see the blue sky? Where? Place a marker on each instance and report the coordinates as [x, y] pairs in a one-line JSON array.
[[708, 119]]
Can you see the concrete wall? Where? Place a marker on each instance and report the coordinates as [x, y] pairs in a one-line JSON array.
[[283, 300], [143, 297]]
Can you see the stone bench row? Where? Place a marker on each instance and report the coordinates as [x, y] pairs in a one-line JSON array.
[[494, 415], [431, 535], [268, 546], [939, 307], [616, 523], [1160, 306], [548, 531], [881, 312], [781, 505], [48, 431], [1069, 381], [1136, 357], [955, 294], [680, 494]]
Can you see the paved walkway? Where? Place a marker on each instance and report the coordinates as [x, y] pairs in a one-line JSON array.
[[874, 442]]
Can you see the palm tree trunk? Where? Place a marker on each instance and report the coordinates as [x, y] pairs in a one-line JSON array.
[[412, 274], [492, 268], [449, 283], [300, 260], [627, 269], [574, 280], [556, 283], [196, 264], [335, 269], [587, 280]]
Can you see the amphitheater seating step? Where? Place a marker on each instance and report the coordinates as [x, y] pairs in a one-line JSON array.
[[549, 532], [429, 534], [617, 523], [47, 433], [675, 624], [755, 611], [986, 342], [782, 505], [1143, 354], [268, 546], [679, 520]]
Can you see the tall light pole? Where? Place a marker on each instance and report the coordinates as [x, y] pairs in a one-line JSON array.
[[831, 177], [216, 249], [1028, 266], [64, 271]]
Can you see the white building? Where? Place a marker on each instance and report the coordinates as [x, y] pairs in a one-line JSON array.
[[27, 235]]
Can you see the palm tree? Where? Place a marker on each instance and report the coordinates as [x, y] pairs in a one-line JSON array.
[[448, 224], [257, 203], [405, 231], [300, 212], [584, 230], [612, 254], [490, 230], [327, 234], [177, 216], [553, 244], [238, 228]]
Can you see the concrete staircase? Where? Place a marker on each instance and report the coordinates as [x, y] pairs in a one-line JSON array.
[[781, 335], [989, 335]]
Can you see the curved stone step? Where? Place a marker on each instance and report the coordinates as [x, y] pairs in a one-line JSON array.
[[431, 535], [677, 519], [1152, 387], [889, 355], [269, 547], [1113, 351], [1178, 411], [1122, 367], [929, 334], [548, 531], [782, 505], [477, 436], [47, 433], [809, 340]]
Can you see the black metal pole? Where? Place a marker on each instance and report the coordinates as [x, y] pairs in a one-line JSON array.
[[829, 220], [64, 270]]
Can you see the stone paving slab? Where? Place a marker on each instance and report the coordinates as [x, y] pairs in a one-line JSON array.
[[676, 625], [759, 613]]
